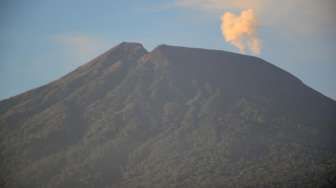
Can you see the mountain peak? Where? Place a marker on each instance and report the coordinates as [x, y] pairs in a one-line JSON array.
[[130, 47], [168, 49], [164, 47], [129, 111], [128, 50], [126, 44], [124, 49]]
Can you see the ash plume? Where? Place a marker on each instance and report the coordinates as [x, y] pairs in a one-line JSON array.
[[241, 31]]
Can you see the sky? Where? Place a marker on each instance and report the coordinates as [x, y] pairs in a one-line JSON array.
[[42, 40]]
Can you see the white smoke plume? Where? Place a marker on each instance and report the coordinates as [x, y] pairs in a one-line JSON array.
[[293, 16], [241, 31]]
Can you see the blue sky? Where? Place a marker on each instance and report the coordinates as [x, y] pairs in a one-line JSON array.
[[41, 40]]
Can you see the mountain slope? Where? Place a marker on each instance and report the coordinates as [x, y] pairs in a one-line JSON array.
[[172, 117]]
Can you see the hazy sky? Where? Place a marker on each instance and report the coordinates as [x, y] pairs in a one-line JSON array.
[[41, 40]]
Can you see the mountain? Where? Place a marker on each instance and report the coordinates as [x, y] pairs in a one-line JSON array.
[[172, 117]]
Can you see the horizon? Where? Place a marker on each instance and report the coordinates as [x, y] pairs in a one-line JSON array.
[[150, 51], [39, 45]]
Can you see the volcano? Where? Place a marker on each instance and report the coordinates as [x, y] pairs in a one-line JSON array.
[[172, 117]]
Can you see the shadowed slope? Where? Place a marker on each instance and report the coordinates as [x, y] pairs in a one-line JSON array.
[[173, 117]]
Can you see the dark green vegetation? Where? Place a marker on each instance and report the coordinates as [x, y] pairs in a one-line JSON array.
[[174, 117]]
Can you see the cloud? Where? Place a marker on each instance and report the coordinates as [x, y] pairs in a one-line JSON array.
[[299, 16], [241, 30], [80, 47]]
